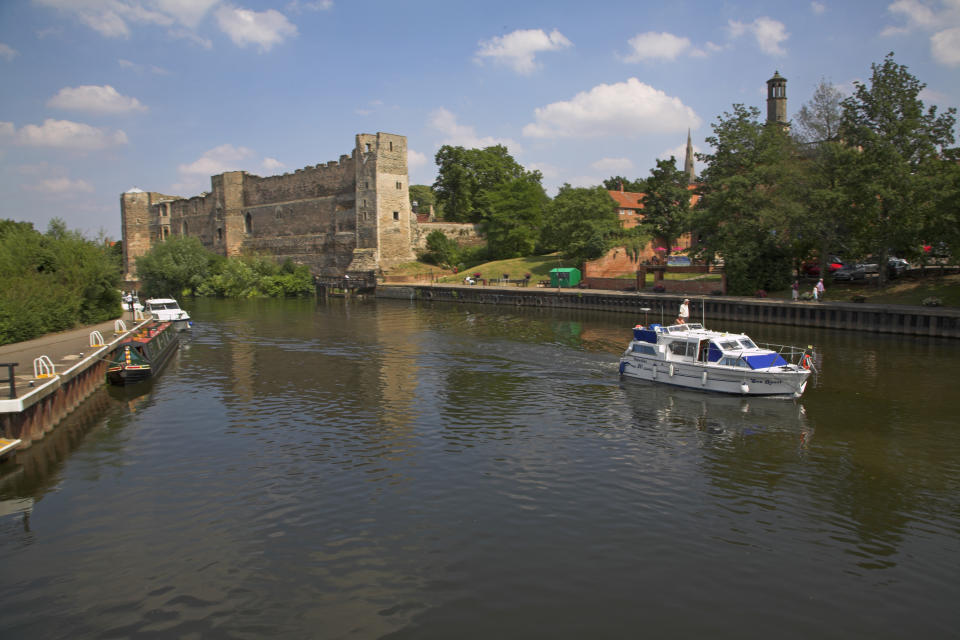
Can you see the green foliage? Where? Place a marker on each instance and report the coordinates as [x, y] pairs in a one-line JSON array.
[[581, 223], [422, 194], [53, 281], [515, 217], [441, 250], [174, 267], [465, 175], [253, 276], [618, 183], [899, 181], [666, 204], [752, 208]]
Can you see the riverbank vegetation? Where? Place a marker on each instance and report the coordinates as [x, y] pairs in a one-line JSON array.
[[181, 266], [55, 280], [874, 174]]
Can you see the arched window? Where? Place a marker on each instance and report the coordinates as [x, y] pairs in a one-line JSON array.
[[219, 234], [248, 223]]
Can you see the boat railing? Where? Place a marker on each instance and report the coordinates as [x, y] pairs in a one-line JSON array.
[[792, 354]]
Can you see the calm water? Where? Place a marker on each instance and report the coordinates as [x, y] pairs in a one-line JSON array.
[[385, 469]]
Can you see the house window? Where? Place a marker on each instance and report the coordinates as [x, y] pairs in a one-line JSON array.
[[396, 216]]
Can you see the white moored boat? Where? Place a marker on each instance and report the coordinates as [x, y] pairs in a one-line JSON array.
[[167, 310], [687, 355]]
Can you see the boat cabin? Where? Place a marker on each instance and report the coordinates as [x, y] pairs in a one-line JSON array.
[[691, 343]]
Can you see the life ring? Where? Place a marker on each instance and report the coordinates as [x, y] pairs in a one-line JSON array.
[[805, 362]]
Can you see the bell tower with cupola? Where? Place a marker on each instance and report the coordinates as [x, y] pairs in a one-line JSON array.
[[777, 100]]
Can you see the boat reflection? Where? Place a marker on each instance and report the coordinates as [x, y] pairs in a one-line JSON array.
[[719, 418]]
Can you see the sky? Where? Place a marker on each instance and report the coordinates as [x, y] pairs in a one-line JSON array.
[[101, 96]]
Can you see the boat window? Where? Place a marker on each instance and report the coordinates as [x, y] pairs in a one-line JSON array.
[[729, 345], [678, 348], [678, 329], [694, 325], [747, 343], [734, 362], [645, 349]]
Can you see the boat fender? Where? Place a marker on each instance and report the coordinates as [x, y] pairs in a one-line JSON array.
[[623, 365], [671, 370], [744, 388], [703, 378]]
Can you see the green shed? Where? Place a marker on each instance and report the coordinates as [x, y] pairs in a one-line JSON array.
[[564, 277]]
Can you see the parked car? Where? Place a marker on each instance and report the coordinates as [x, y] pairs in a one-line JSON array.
[[895, 266], [679, 261], [812, 268], [850, 272]]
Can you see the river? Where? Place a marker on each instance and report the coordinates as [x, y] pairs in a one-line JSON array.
[[379, 468]]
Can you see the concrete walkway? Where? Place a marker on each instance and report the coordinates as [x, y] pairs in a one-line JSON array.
[[64, 349]]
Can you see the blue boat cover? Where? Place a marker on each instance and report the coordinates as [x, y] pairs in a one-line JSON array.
[[764, 360], [714, 354], [645, 335]]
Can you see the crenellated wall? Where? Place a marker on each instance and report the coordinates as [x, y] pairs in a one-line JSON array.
[[320, 216]]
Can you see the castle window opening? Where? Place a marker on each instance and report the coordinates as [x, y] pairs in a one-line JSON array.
[[399, 185], [248, 223], [368, 147], [219, 234], [391, 146], [396, 216]]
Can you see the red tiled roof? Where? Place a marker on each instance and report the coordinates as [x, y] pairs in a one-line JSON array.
[[627, 199]]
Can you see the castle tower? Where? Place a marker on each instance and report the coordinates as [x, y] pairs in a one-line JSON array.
[[383, 202], [777, 100], [688, 162]]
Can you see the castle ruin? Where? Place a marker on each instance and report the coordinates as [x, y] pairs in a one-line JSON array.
[[351, 215]]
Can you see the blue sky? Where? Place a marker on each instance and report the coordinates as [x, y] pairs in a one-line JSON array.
[[100, 96]]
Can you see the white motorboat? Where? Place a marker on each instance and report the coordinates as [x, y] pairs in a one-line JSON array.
[[167, 310], [687, 355]]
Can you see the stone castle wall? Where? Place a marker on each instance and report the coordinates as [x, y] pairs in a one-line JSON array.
[[335, 217]]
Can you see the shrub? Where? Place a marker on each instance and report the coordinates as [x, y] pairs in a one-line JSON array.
[[932, 301], [858, 298], [761, 293]]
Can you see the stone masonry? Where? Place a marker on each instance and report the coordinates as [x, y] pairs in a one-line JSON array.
[[351, 214]]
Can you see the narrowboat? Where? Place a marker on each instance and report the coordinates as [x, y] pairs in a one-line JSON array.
[[143, 355]]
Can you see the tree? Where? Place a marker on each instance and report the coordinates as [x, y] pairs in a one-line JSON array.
[[464, 175], [177, 265], [422, 198], [514, 217], [819, 119], [751, 205], [582, 223], [900, 172], [616, 183], [666, 202], [441, 250]]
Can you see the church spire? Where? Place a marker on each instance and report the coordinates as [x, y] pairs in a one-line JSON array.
[[688, 162]]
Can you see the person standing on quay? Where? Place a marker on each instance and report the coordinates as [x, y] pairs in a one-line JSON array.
[[684, 311], [820, 290], [795, 290]]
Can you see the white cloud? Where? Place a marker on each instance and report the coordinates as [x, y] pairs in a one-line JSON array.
[[626, 109], [261, 28], [272, 165], [817, 7], [95, 99], [456, 134], [769, 33], [187, 12], [942, 18], [656, 46], [116, 18], [319, 5], [613, 164], [63, 134], [945, 46], [518, 49], [60, 186], [7, 52], [416, 160]]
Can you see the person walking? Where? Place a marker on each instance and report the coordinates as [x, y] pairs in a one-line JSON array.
[[820, 290], [795, 290]]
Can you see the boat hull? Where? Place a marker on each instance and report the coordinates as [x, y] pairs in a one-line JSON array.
[[142, 357], [744, 382]]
